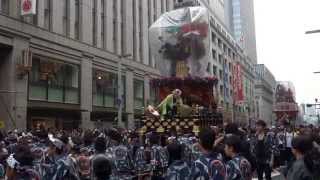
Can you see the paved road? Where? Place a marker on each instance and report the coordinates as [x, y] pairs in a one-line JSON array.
[[275, 176]]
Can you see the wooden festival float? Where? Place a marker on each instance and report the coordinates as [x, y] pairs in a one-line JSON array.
[[199, 108], [180, 43], [286, 108]]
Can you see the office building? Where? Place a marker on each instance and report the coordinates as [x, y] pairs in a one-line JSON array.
[[239, 18], [265, 92], [78, 47]]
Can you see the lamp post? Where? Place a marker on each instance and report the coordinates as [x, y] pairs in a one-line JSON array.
[[313, 31], [120, 89]]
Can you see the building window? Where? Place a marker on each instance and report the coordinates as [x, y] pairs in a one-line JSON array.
[[214, 69], [220, 43], [134, 32], [209, 68], [149, 13], [155, 10], [214, 54], [4, 7], [54, 81], [105, 89], [47, 14], [35, 17], [224, 48], [229, 52], [77, 20], [138, 90], [141, 50], [66, 17], [220, 58], [103, 24], [227, 92], [94, 22], [221, 90], [213, 37], [115, 25], [162, 6], [153, 96], [220, 74]]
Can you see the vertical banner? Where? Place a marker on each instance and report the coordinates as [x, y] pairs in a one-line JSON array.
[[28, 7], [238, 84]]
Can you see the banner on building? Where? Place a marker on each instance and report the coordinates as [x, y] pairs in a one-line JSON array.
[[28, 7], [238, 84]]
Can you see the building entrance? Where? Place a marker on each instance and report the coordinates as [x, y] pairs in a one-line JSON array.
[[6, 114]]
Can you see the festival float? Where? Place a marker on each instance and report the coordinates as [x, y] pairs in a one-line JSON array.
[[180, 44], [285, 108]]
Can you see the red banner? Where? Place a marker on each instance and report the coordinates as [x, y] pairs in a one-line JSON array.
[[238, 95]]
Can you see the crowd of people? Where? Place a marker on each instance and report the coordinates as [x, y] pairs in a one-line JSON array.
[[216, 153]]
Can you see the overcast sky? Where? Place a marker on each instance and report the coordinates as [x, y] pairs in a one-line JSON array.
[[283, 46]]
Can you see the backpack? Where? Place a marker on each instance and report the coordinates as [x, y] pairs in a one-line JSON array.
[[122, 159], [187, 150], [173, 175], [95, 159], [242, 167], [245, 169], [245, 145], [217, 169], [195, 152], [84, 166], [140, 160], [27, 174], [2, 171], [66, 170], [159, 158], [201, 168], [178, 171]]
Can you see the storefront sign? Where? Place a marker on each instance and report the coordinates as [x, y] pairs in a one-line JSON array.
[[28, 7]]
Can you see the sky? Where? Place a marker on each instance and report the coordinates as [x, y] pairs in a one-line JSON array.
[[283, 46]]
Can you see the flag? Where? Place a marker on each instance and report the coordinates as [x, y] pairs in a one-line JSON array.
[[28, 7]]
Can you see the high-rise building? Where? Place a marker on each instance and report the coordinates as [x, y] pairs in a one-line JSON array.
[[239, 18]]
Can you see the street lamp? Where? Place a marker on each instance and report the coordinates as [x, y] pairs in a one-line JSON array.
[[120, 88], [313, 31]]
